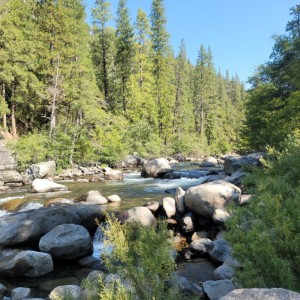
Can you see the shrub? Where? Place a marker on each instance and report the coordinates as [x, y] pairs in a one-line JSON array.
[[265, 233]]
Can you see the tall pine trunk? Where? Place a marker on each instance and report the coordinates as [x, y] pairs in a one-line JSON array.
[[4, 105], [13, 119]]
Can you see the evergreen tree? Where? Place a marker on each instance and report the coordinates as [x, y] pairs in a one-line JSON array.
[[124, 53]]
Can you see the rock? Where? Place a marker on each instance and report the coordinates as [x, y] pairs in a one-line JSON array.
[[220, 215], [199, 235], [199, 246], [86, 171], [11, 176], [30, 226], [220, 235], [219, 251], [67, 241], [3, 291], [169, 207], [153, 206], [58, 201], [223, 272], [187, 222], [188, 287], [91, 197], [169, 175], [70, 173], [94, 276], [236, 178], [233, 163], [46, 186], [41, 170], [113, 198], [245, 199], [7, 160], [20, 293], [205, 198], [215, 290], [24, 263], [90, 262], [66, 292], [209, 162], [110, 174], [156, 168], [214, 177], [265, 294], [139, 214], [179, 157], [179, 199], [132, 161]]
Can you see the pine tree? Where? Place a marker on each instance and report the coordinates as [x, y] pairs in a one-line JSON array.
[[124, 53]]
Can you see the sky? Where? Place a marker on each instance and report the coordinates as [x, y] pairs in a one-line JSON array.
[[239, 32]]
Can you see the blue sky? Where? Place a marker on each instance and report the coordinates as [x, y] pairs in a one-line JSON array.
[[239, 32]]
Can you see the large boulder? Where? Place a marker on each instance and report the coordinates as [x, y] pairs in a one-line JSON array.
[[156, 168], [73, 292], [46, 186], [204, 199], [233, 163], [20, 293], [110, 174], [219, 251], [209, 162], [187, 222], [27, 263], [30, 226], [7, 160], [3, 291], [132, 161], [215, 290], [11, 176], [223, 272], [41, 170], [138, 214], [91, 197], [265, 294], [169, 206], [67, 241], [179, 199]]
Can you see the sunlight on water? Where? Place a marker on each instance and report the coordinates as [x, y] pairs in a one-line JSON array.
[[3, 200]]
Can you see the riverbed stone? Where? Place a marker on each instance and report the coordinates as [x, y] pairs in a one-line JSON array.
[[3, 291], [91, 197], [65, 292], [179, 199], [209, 162], [41, 170], [20, 293], [153, 206], [7, 160], [219, 251], [198, 246], [188, 287], [156, 168], [132, 161], [223, 272], [204, 199], [67, 242], [114, 175], [215, 290], [233, 163], [169, 207], [265, 294], [46, 186], [11, 176], [220, 215], [26, 227], [199, 235], [113, 198], [187, 222], [138, 214], [27, 263]]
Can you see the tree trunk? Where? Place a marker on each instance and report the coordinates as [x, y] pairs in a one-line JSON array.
[[13, 119], [3, 105]]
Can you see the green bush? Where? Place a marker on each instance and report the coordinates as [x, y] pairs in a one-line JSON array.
[[265, 233]]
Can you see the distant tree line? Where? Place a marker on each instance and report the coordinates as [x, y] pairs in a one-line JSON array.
[[89, 94]]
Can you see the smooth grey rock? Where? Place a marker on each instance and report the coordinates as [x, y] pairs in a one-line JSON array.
[[156, 167], [113, 198], [236, 178], [221, 215], [153, 206], [199, 235], [3, 291], [62, 292], [67, 241], [188, 287], [198, 246], [110, 174], [91, 197], [132, 161], [138, 214], [204, 199], [7, 160], [215, 290], [41, 170], [187, 222], [246, 198], [233, 163], [265, 294], [20, 293], [219, 251], [11, 176], [179, 199], [24, 263], [29, 226], [169, 206], [223, 272], [46, 186]]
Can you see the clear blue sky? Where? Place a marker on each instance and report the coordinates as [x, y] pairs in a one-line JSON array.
[[239, 32]]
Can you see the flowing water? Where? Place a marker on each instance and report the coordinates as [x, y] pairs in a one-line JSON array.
[[133, 190]]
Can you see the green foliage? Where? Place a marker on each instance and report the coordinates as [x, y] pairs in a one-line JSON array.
[[265, 233]]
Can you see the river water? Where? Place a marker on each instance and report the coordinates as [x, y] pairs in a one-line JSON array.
[[133, 190]]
